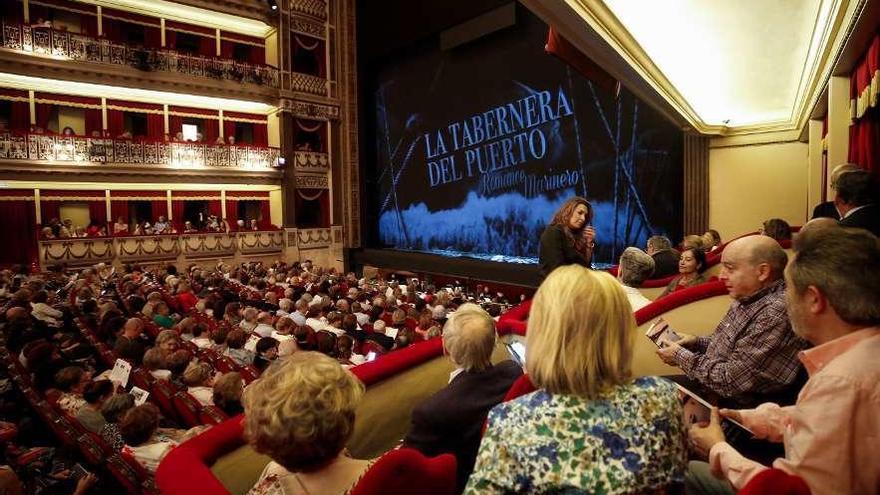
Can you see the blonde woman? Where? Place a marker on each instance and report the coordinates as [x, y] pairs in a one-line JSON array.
[[590, 427], [301, 414]]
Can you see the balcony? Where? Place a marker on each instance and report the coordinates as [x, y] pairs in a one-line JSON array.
[[63, 45], [127, 152], [180, 248]]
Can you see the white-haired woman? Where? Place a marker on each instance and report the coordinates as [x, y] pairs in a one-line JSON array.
[[590, 427]]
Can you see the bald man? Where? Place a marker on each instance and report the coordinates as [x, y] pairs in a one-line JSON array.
[[129, 345], [751, 357]]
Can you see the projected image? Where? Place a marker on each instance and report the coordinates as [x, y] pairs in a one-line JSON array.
[[477, 147]]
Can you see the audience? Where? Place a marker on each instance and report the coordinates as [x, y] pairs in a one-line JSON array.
[[199, 380], [95, 394], [451, 421], [776, 228], [752, 354], [590, 427], [665, 258], [113, 410], [71, 382], [833, 298], [634, 268], [227, 393], [855, 201], [691, 263], [266, 352], [128, 345], [828, 209]]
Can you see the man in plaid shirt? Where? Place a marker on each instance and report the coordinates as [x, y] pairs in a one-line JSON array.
[[752, 354]]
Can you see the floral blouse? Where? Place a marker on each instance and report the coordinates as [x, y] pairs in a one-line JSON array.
[[630, 439]]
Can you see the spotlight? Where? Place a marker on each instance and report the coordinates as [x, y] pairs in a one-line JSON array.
[[273, 4]]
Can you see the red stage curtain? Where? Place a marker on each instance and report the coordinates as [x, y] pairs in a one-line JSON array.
[[20, 116], [312, 208], [864, 141], [177, 206], [93, 121], [232, 213], [265, 215], [119, 209], [160, 208], [210, 130], [214, 207], [111, 29], [155, 125], [568, 53], [44, 112], [175, 125], [49, 210], [98, 212], [207, 46], [261, 134], [170, 38], [19, 232], [115, 122]]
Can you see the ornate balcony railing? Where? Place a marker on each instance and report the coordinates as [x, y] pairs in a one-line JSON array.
[[53, 43], [81, 149]]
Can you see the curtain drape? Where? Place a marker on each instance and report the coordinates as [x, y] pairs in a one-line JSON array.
[[175, 125], [119, 209], [19, 232], [211, 129], [214, 207], [155, 125], [111, 29], [227, 48], [93, 121], [228, 129], [152, 37], [232, 213], [257, 55], [568, 53], [207, 46], [170, 39], [88, 24], [115, 122], [312, 208], [864, 133], [98, 212], [177, 208], [20, 116], [49, 210], [160, 209], [261, 135], [43, 114], [265, 215]]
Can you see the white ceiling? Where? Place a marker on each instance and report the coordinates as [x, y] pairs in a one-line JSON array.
[[740, 62]]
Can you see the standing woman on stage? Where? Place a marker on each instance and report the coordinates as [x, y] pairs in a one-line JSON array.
[[568, 239]]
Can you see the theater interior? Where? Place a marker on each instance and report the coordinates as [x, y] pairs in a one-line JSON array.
[[259, 151]]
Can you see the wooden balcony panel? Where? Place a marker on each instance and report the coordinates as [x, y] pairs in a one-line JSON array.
[[261, 242], [208, 245]]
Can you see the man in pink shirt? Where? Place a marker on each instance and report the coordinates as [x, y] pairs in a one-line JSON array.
[[832, 434]]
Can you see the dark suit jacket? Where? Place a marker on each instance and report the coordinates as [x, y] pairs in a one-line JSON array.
[[451, 421], [556, 250], [866, 218], [665, 263], [825, 209]]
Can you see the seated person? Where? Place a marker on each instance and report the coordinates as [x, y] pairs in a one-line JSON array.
[[113, 410], [41, 310], [95, 394], [379, 336], [120, 227], [665, 258], [776, 228], [201, 336], [451, 421], [161, 316], [856, 201], [264, 326], [161, 226], [833, 296], [249, 322], [71, 382], [143, 438], [177, 364], [301, 414], [752, 354], [266, 352], [634, 267], [691, 242], [218, 339], [590, 427], [711, 240], [199, 380], [130, 345], [690, 264], [227, 393], [154, 362], [235, 350], [168, 341], [283, 329]]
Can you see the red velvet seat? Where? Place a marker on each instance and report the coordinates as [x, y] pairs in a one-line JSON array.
[[775, 482], [162, 394], [249, 373], [186, 469], [212, 415], [187, 408]]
